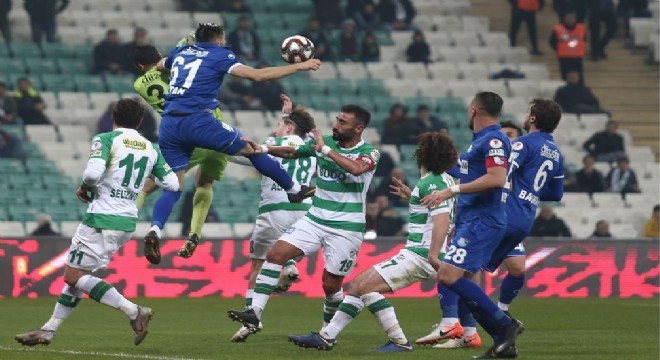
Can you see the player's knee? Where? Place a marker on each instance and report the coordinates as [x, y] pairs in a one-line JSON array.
[[517, 271], [447, 277], [331, 286], [274, 256], [246, 151], [71, 278]]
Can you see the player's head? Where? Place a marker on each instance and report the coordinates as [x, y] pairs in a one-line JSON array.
[[623, 162], [485, 105], [23, 84], [128, 113], [543, 115], [436, 152], [210, 32], [350, 124], [511, 130], [145, 57], [298, 122]]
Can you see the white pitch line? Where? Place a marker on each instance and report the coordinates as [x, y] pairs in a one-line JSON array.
[[96, 353]]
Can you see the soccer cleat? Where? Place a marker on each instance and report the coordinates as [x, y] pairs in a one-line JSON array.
[[391, 346], [140, 324], [35, 337], [454, 331], [473, 341], [152, 248], [508, 336], [313, 341], [242, 334], [288, 276], [247, 317], [188, 249], [304, 193], [509, 353]]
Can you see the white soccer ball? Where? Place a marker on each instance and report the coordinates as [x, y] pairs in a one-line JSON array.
[[297, 49]]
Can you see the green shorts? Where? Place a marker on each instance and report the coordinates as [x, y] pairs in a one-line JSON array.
[[212, 163]]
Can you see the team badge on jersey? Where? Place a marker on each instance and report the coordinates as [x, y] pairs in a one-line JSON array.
[[517, 145], [495, 143], [462, 242], [96, 145], [498, 160]]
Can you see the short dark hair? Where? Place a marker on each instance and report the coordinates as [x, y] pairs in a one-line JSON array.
[[111, 32], [623, 158], [422, 107], [208, 31], [490, 102], [588, 156], [512, 125], [656, 208], [436, 152], [145, 55], [302, 119], [547, 113], [397, 106], [128, 113], [361, 114]]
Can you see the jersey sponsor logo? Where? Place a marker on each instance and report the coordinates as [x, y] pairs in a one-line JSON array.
[[193, 51], [231, 56], [96, 145], [517, 146], [464, 166], [324, 173], [147, 78], [496, 152], [495, 143], [135, 144], [549, 153], [95, 153], [432, 187]]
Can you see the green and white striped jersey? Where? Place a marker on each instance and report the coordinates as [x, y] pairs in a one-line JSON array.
[[340, 197], [129, 159], [420, 222], [273, 197]]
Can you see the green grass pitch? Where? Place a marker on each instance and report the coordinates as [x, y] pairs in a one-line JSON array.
[[199, 329]]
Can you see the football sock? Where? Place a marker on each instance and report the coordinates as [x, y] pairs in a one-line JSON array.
[[157, 230], [382, 309], [469, 330], [201, 205], [491, 318], [163, 207], [267, 280], [105, 293], [140, 200], [289, 263], [248, 297], [449, 305], [465, 315], [68, 300], [269, 167], [509, 289], [330, 305], [347, 311]]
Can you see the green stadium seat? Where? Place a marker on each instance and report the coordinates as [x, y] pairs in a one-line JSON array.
[[407, 152], [15, 130], [72, 66], [371, 87], [450, 104], [84, 51], [325, 103], [339, 86], [268, 21], [383, 38], [89, 83], [58, 51], [310, 86], [413, 102], [25, 49], [295, 21], [9, 65], [4, 215], [4, 51], [23, 212], [383, 103], [120, 84], [38, 66], [57, 83], [230, 20]]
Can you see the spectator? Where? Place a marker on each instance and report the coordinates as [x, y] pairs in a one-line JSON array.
[[633, 8], [602, 230], [329, 13], [109, 56], [313, 32], [622, 178], [268, 92], [425, 122], [244, 41], [606, 145], [370, 50], [149, 126], [385, 163], [7, 106], [547, 224], [367, 18], [29, 104], [389, 223], [589, 179], [186, 213], [419, 50], [511, 130], [237, 96], [563, 7], [106, 122], [383, 188], [43, 15], [397, 14], [568, 39], [237, 7], [576, 98], [348, 45], [525, 10], [652, 227], [139, 39], [5, 8], [601, 11], [10, 146], [398, 129], [44, 226], [371, 216]]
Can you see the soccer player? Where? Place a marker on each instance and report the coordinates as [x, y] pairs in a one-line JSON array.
[[196, 74], [119, 163], [418, 261], [336, 220], [276, 213]]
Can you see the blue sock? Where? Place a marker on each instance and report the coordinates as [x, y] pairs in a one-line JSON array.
[[486, 312], [163, 207], [271, 168], [465, 315], [448, 302], [510, 288]]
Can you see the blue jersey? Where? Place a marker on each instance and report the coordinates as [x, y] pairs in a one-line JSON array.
[[536, 173], [490, 147], [196, 75]]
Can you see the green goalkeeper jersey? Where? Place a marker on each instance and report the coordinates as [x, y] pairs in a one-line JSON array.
[[152, 87]]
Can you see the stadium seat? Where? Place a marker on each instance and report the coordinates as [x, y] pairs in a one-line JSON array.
[[373, 87], [148, 20], [402, 87], [113, 19], [339, 86], [351, 70], [522, 87], [417, 71], [494, 39], [496, 86], [26, 49], [433, 88], [12, 228], [73, 100], [474, 71], [381, 70], [475, 23], [450, 54], [446, 23], [517, 55], [243, 229], [485, 55], [89, 83], [100, 101], [534, 71], [120, 84]]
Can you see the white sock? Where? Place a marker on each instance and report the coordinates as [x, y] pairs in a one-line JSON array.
[[294, 189], [105, 293], [502, 306], [267, 280], [330, 306], [67, 301], [470, 330], [448, 321], [157, 230], [248, 297], [348, 309], [382, 309]]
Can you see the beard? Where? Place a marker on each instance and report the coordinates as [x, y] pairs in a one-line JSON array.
[[337, 136], [527, 125]]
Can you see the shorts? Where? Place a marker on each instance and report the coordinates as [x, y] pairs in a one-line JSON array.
[[268, 228], [473, 245], [92, 250], [180, 134], [404, 269], [511, 240], [340, 247]]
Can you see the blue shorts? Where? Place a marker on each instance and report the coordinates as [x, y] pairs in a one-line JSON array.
[[511, 245], [472, 245], [179, 135]]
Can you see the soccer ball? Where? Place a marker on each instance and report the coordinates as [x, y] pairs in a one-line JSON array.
[[297, 49]]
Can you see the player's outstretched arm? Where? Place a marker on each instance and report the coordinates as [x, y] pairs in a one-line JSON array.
[[495, 177], [274, 73], [354, 167]]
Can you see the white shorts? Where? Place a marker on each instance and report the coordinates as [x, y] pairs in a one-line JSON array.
[[404, 269], [340, 247], [268, 228], [92, 250]]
